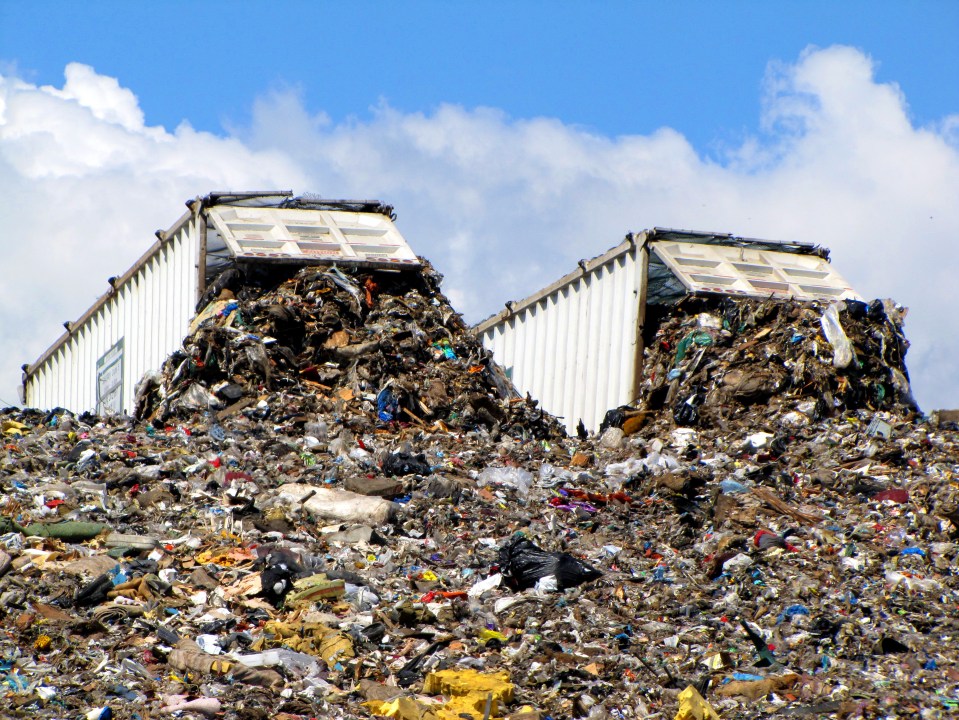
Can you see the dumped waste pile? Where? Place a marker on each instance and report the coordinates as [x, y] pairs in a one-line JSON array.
[[388, 339], [714, 360], [331, 505]]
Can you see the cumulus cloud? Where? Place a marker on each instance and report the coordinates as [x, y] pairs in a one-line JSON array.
[[501, 205], [83, 185]]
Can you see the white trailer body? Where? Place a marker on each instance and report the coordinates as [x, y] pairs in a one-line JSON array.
[[576, 345], [146, 312]]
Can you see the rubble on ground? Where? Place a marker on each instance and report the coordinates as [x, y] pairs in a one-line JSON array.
[[330, 505]]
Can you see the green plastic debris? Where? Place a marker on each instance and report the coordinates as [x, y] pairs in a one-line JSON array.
[[68, 530], [696, 337]]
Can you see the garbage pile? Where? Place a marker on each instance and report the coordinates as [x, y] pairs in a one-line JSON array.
[[712, 359], [390, 341], [299, 524]]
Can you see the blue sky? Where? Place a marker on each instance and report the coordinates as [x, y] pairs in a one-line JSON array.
[[612, 67], [512, 138]]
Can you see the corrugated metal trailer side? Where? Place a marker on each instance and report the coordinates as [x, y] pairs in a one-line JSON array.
[[576, 346], [132, 328], [128, 331]]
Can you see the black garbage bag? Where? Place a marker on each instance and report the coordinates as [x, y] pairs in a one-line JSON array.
[[613, 418], [523, 563], [402, 463], [857, 309], [94, 592], [581, 432], [282, 569], [686, 410]]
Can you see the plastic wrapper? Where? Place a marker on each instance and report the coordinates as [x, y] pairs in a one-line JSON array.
[[832, 329], [518, 478]]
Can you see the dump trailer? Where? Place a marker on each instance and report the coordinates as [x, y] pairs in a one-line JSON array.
[[145, 312], [577, 345]]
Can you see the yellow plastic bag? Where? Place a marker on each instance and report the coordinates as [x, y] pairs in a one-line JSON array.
[[468, 690], [403, 708], [692, 706], [12, 428]]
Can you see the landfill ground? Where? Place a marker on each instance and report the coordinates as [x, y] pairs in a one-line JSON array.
[[329, 505]]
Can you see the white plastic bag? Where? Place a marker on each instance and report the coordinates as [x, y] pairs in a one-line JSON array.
[[832, 329]]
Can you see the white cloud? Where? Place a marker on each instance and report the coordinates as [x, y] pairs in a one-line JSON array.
[[83, 185], [501, 205], [102, 96]]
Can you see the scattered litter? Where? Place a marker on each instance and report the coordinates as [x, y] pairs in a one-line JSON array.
[[331, 504]]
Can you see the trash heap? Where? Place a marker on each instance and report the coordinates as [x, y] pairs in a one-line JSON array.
[[714, 360], [388, 340], [328, 506]]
